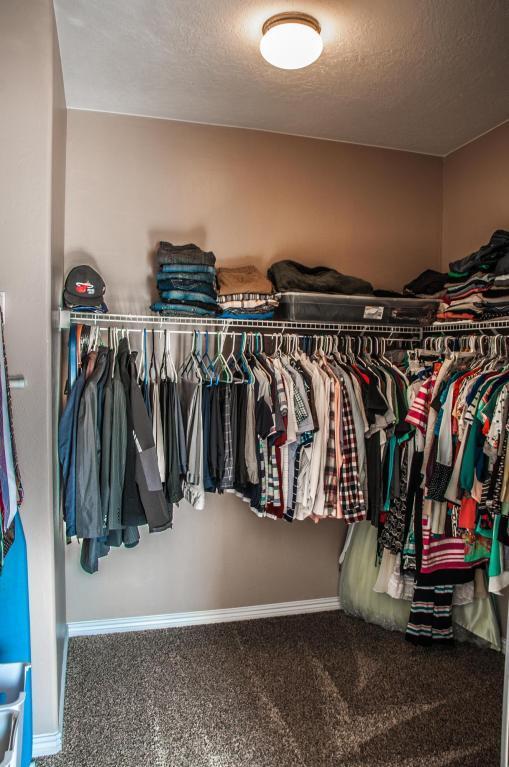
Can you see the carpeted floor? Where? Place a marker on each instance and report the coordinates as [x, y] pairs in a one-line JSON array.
[[308, 691]]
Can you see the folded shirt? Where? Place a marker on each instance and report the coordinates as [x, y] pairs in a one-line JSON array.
[[242, 279], [184, 310], [187, 269], [190, 253], [247, 304], [247, 316], [441, 316], [428, 283], [259, 309], [249, 297], [102, 309]]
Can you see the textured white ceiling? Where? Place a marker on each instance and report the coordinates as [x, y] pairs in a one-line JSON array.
[[422, 75]]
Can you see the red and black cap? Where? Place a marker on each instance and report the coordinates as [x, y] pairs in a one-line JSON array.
[[84, 287]]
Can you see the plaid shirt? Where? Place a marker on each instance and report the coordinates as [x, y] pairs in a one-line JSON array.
[[351, 496], [330, 475], [227, 478]]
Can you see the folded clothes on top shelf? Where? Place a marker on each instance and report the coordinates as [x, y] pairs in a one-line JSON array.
[[494, 256], [241, 280], [288, 276], [190, 254], [186, 281], [181, 269], [187, 285], [188, 309]]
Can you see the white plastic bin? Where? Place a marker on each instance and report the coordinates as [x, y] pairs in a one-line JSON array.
[[9, 738], [13, 684]]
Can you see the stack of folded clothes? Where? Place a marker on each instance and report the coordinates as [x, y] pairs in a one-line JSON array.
[[186, 281], [475, 288], [245, 294]]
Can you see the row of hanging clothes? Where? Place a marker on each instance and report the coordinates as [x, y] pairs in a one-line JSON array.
[[312, 429], [445, 540]]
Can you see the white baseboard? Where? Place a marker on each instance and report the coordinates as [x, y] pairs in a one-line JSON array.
[[172, 620], [49, 743]]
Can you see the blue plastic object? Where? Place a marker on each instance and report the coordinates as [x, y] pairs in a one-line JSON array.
[[15, 623]]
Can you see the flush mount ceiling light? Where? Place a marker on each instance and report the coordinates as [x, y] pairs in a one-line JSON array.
[[291, 40]]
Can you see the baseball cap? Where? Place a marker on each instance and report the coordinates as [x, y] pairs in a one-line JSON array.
[[83, 287]]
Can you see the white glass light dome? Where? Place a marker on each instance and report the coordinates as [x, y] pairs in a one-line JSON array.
[[291, 40]]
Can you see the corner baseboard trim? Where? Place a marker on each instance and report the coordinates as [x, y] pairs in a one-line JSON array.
[[47, 744], [201, 617]]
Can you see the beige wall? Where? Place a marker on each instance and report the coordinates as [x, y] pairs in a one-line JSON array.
[[249, 196], [31, 105], [57, 278], [476, 194]]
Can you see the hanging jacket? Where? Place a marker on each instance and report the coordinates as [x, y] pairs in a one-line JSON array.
[[132, 509], [156, 509], [118, 452], [89, 522], [67, 432]]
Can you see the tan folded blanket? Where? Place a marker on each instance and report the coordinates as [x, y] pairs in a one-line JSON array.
[[242, 279]]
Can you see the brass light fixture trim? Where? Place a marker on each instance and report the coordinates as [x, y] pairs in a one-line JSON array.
[[291, 17]]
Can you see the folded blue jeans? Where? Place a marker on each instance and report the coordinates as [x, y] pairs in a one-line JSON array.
[[182, 295], [188, 268], [167, 309], [188, 286]]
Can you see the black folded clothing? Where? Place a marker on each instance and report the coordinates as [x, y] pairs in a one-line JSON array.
[[487, 256], [428, 283], [190, 253], [287, 276], [382, 293]]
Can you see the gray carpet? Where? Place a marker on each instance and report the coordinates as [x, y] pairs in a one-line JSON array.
[[308, 691]]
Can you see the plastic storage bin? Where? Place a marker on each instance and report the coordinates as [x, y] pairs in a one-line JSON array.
[[10, 741], [13, 685], [326, 307]]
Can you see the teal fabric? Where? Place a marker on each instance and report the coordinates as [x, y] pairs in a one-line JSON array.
[[15, 624], [358, 576]]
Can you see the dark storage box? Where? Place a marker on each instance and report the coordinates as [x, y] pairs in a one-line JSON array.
[[325, 307]]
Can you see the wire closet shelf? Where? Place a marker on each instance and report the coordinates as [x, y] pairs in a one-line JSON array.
[[189, 324]]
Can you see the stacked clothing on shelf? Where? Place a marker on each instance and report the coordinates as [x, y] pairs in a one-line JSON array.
[[244, 293], [476, 288], [186, 281], [449, 528]]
